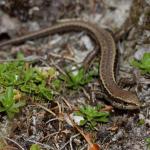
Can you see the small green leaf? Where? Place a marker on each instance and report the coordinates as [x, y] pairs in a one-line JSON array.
[[31, 87], [20, 55], [52, 72], [147, 140], [2, 109], [9, 93], [141, 122], [45, 92], [143, 64], [102, 119], [56, 84], [35, 147], [76, 79], [28, 74], [83, 122], [93, 123], [92, 115], [8, 103]]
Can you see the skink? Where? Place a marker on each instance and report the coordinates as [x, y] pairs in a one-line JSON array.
[[118, 97]]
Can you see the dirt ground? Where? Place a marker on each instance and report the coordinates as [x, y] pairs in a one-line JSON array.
[[129, 23]]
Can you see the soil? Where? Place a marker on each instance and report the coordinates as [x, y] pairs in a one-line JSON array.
[[129, 23]]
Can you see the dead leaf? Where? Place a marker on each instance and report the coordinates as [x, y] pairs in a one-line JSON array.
[[94, 147]]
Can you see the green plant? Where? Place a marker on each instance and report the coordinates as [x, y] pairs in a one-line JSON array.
[[11, 73], [39, 90], [141, 122], [76, 79], [147, 140], [35, 147], [45, 92], [143, 64], [36, 82], [27, 79], [92, 115], [8, 103]]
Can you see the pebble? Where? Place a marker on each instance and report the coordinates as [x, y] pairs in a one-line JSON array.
[[87, 42], [8, 24], [118, 135], [141, 50], [141, 116]]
